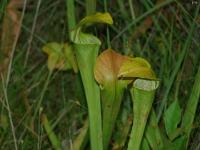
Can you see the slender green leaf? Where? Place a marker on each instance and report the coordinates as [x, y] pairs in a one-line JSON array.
[[4, 123], [71, 19], [82, 138], [172, 117], [90, 7], [180, 59], [180, 143], [191, 106], [51, 135], [145, 144]]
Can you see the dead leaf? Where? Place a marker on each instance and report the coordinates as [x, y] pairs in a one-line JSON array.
[[60, 56], [10, 30]]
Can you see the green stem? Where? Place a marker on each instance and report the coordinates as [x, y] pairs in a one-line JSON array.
[[111, 101], [71, 19], [191, 106], [142, 94], [107, 28], [86, 57], [90, 7]]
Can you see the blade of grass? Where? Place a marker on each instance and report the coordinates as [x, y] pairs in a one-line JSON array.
[[2, 8], [132, 9], [186, 13], [173, 10], [82, 139], [9, 113], [191, 106], [138, 19], [178, 65], [145, 144], [51, 135], [42, 95], [123, 9], [90, 7], [71, 19], [32, 32], [107, 28]]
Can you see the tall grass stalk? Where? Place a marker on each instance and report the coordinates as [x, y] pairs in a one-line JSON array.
[[71, 18], [32, 32], [191, 106], [2, 7], [9, 113], [39, 102], [132, 9], [51, 135], [90, 7], [107, 28]]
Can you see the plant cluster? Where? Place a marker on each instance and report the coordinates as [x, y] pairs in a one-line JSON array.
[[132, 83], [105, 78]]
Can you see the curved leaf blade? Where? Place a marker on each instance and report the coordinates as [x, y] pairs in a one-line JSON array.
[[172, 117]]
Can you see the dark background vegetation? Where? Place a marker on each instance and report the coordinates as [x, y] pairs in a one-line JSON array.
[[160, 37]]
